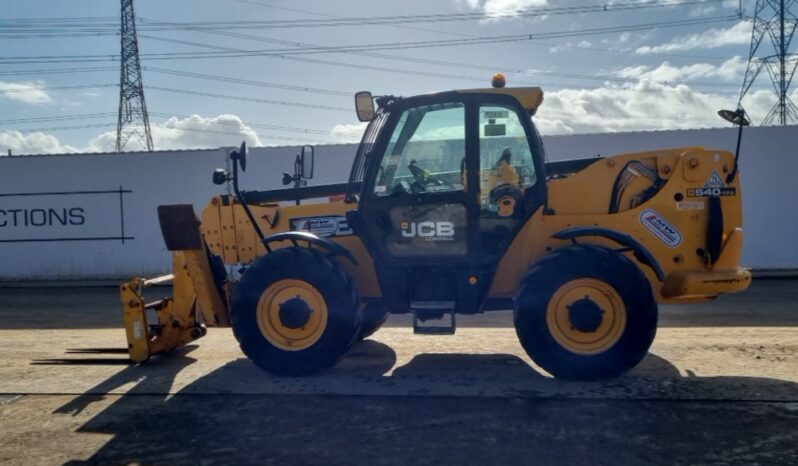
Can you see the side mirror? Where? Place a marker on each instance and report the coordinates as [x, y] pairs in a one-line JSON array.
[[220, 176], [306, 162], [735, 117], [241, 156], [364, 106]]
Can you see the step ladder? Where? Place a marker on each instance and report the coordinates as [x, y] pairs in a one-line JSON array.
[[433, 310]]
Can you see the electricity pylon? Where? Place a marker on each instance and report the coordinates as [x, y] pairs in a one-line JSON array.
[[133, 121]]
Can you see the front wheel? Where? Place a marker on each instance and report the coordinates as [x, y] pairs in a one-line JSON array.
[[374, 315], [295, 312], [585, 312]]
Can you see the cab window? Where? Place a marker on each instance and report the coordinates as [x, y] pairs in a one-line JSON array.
[[506, 164], [425, 152]]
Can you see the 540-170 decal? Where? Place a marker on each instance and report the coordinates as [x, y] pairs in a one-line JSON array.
[[327, 226]]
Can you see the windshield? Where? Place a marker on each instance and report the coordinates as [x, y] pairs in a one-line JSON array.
[[426, 151]]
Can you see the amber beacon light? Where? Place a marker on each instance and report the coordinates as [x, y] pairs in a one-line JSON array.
[[498, 80]]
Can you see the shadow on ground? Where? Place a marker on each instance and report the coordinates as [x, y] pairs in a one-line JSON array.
[[212, 422]]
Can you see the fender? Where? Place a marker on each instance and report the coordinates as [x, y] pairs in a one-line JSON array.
[[330, 247], [640, 252]]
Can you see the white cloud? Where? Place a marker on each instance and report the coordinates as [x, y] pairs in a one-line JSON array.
[[29, 93], [32, 143], [738, 34], [645, 105], [503, 8], [348, 133], [640, 106], [194, 132], [731, 69], [703, 10]]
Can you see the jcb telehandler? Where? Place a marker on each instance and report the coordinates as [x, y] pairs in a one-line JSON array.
[[450, 208]]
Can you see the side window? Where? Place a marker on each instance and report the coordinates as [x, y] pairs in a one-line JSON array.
[[425, 152], [506, 164]]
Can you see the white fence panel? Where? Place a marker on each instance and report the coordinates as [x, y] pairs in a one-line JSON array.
[[90, 216]]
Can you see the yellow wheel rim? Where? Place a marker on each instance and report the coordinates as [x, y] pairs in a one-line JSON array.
[[275, 330], [603, 332]]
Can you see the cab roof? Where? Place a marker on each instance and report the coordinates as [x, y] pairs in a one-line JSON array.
[[529, 97]]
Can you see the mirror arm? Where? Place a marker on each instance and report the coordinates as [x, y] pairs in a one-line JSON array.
[[733, 173], [246, 208]]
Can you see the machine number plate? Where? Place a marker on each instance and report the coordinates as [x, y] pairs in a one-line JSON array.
[[325, 226]]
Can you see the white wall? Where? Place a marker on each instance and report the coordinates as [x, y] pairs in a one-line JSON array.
[[55, 240]]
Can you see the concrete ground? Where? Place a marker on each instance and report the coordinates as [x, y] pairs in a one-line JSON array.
[[720, 386]]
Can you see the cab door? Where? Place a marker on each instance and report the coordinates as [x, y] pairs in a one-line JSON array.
[[416, 213]]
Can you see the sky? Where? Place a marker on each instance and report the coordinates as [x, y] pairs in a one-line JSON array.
[[275, 72]]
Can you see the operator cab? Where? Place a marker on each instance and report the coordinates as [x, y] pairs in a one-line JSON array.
[[446, 182]]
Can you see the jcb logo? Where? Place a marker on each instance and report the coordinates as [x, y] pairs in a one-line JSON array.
[[435, 231]]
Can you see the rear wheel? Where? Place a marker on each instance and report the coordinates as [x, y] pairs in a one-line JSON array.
[[294, 312], [585, 312]]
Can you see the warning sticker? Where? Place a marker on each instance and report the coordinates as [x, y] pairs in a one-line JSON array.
[[714, 181], [690, 205], [322, 226], [661, 228]]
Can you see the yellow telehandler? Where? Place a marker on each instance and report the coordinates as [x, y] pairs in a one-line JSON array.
[[450, 208]]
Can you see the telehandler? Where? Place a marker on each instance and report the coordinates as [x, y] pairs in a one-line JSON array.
[[450, 208]]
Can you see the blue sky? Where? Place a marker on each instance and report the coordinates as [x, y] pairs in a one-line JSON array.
[[641, 75]]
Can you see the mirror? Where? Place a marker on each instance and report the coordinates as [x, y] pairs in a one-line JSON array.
[[241, 156], [220, 176], [735, 117], [306, 162], [364, 105]]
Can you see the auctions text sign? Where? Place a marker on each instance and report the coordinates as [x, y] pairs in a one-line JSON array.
[[97, 215]]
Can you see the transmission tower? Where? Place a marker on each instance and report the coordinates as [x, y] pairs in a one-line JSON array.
[[774, 19], [133, 120]]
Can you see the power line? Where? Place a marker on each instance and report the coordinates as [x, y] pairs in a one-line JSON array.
[[251, 99], [57, 71], [62, 128], [57, 118], [471, 66], [249, 82], [373, 46], [104, 26]]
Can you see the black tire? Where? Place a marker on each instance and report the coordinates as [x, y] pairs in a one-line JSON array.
[[374, 315], [585, 262], [336, 289]]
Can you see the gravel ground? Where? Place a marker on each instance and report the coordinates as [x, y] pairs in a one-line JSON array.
[[720, 386]]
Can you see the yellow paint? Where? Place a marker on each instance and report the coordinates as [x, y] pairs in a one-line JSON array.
[[580, 199], [178, 323], [268, 313], [529, 97], [613, 322], [583, 199], [248, 247]]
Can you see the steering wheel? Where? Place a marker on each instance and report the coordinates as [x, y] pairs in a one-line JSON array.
[[423, 178], [507, 200]]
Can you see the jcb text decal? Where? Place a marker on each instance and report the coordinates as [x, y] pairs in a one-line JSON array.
[[430, 231]]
